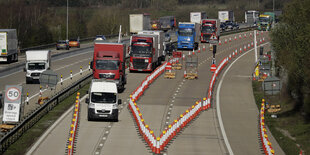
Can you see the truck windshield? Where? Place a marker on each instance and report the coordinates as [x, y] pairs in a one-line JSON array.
[[263, 19], [107, 64], [36, 66], [141, 49], [207, 29], [99, 97], [185, 32]]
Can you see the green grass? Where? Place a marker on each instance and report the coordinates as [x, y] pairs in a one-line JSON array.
[[33, 134], [288, 120]]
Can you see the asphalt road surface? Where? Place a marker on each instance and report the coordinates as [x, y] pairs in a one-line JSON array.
[[162, 102]]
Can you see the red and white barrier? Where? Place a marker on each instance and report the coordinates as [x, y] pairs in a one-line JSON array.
[[268, 150], [74, 125]]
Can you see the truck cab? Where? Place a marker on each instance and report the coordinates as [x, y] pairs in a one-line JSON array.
[[188, 36], [210, 30], [103, 100], [108, 62], [37, 61], [265, 22]]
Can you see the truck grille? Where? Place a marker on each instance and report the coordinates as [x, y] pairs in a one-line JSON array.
[[103, 111], [139, 64], [35, 74], [106, 76], [206, 37]]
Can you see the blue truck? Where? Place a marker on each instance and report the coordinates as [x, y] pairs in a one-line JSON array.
[[188, 35]]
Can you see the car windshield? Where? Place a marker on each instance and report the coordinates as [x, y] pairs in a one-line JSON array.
[[99, 97], [185, 32], [36, 66], [207, 29], [107, 64], [62, 42], [141, 48]]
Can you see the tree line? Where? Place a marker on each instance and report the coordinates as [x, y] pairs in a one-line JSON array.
[[291, 42]]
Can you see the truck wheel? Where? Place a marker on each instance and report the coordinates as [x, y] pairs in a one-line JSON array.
[[89, 118], [27, 81], [196, 46]]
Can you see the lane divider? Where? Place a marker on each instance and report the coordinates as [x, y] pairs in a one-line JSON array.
[[266, 144], [74, 126], [158, 143]]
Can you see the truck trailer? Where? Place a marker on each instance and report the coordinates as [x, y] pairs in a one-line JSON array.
[[251, 17], [109, 62], [8, 45], [196, 17], [139, 22], [188, 35], [37, 61], [224, 16], [145, 52], [210, 31]]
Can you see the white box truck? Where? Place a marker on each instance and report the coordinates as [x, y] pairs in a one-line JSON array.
[[160, 36], [251, 17], [224, 16], [139, 22], [103, 100], [196, 17], [8, 45], [37, 61]]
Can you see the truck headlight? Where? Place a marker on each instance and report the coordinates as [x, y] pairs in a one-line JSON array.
[[115, 106], [91, 105], [188, 39]]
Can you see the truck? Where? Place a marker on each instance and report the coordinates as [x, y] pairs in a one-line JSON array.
[[188, 35], [102, 100], [167, 23], [224, 16], [146, 51], [8, 45], [264, 23], [109, 62], [37, 61], [251, 17], [196, 17], [139, 22], [210, 31]]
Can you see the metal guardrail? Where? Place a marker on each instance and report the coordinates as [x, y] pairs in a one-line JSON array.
[[12, 136], [54, 44]]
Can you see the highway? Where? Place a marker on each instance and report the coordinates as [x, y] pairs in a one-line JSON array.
[[162, 103]]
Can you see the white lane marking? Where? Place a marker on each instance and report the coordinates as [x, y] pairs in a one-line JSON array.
[[71, 64], [49, 130], [218, 110]]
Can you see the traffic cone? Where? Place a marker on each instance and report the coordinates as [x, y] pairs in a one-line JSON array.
[[229, 56], [249, 46], [204, 48], [233, 54], [193, 51], [198, 49], [230, 39], [240, 36], [250, 34], [235, 37], [252, 44], [263, 39], [225, 41], [184, 73], [220, 43], [183, 56], [245, 35], [244, 48], [240, 50]]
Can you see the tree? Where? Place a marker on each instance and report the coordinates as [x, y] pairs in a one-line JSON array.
[[291, 41]]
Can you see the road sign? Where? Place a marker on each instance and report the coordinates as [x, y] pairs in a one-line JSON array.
[[49, 78], [12, 103]]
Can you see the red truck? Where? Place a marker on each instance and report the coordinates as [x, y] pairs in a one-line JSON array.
[[109, 62], [146, 51], [210, 31]]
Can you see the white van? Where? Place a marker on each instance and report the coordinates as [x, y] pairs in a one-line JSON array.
[[103, 100], [37, 61]]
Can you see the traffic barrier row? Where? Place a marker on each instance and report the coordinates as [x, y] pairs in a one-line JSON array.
[[74, 126], [266, 144], [245, 36], [158, 144]]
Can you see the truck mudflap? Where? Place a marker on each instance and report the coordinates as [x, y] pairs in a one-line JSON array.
[[102, 116]]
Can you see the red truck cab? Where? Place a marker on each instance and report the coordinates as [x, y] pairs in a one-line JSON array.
[[142, 54], [209, 30], [109, 62]]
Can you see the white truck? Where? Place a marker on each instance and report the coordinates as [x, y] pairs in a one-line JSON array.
[[37, 61], [196, 17], [103, 100], [224, 16], [139, 22], [8, 45], [251, 17], [160, 42]]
